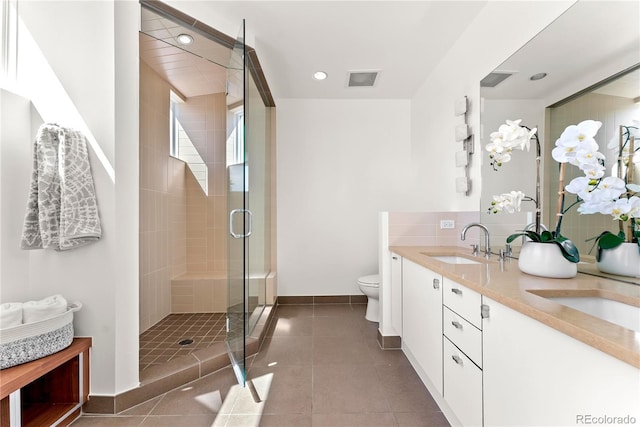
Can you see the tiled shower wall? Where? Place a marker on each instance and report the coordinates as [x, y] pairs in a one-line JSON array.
[[182, 230], [203, 286], [204, 120], [163, 202]]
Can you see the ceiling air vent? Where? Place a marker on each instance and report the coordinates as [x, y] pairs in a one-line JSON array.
[[494, 79], [362, 78]]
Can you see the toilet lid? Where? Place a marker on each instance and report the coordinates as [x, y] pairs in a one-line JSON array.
[[372, 279]]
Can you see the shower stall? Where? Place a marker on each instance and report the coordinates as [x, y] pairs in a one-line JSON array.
[[206, 247]]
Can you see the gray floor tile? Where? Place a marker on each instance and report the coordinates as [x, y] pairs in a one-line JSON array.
[[283, 389], [341, 350], [291, 327], [384, 419], [347, 389], [319, 366], [285, 351], [421, 419]]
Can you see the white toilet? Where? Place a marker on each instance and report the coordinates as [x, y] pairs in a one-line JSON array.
[[370, 286]]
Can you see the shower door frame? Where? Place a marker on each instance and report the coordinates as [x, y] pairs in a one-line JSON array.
[[252, 72]]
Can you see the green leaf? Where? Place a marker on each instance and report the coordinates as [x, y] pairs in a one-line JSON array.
[[608, 240], [568, 249], [530, 234], [546, 236]]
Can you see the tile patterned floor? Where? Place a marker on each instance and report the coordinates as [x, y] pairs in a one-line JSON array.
[[161, 342], [318, 366]]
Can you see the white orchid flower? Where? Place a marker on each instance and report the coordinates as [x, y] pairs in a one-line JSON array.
[[592, 207], [612, 187], [508, 202], [620, 209], [581, 133], [581, 187], [593, 171], [509, 136]]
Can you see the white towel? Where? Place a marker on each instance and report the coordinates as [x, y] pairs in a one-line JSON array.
[[10, 314], [62, 212], [34, 311]]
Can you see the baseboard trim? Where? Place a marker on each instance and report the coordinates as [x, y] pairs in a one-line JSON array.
[[321, 299], [389, 342]]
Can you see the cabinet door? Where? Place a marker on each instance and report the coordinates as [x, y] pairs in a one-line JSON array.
[[536, 375], [422, 319], [462, 386]]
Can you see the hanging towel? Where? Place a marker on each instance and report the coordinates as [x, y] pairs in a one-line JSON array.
[[10, 314], [62, 212], [34, 311]]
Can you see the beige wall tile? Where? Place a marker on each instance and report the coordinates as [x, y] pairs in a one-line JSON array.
[[204, 295]]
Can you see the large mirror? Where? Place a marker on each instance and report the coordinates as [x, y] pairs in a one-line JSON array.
[[591, 58]]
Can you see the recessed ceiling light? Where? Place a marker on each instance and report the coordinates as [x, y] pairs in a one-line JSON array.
[[538, 76], [184, 39], [320, 75]]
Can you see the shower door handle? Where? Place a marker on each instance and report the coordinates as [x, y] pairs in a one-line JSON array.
[[240, 235]]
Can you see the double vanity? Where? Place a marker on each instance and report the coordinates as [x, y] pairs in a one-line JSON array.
[[497, 347]]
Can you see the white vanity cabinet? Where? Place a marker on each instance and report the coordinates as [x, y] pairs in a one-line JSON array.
[[462, 356], [536, 375], [422, 320]]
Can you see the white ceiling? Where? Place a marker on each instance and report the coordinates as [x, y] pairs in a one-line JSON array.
[[403, 40]]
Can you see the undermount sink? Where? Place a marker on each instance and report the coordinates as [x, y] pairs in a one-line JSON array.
[[453, 259], [625, 315]]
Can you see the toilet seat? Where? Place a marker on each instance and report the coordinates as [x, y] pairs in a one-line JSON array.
[[372, 281]]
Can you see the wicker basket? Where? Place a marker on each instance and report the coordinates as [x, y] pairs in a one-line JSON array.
[[31, 341]]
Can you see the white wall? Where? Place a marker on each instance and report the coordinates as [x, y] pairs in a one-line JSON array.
[[15, 153], [82, 57], [339, 164]]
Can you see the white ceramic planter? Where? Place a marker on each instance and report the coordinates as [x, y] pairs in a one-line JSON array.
[[545, 260], [623, 260]]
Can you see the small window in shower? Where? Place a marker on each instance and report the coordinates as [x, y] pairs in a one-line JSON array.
[[235, 141], [182, 148]]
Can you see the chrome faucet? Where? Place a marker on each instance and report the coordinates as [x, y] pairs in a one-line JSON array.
[[463, 234]]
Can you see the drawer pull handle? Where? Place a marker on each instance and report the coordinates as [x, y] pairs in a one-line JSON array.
[[456, 325], [456, 291], [436, 283], [457, 359], [484, 311], [394, 257]]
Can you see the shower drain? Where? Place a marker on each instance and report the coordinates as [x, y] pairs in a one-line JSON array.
[[186, 341]]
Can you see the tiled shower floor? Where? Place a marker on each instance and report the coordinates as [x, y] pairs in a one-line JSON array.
[[161, 342]]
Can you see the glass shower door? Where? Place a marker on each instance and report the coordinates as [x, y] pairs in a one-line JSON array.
[[240, 221]]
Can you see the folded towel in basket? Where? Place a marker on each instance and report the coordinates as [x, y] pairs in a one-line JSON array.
[[10, 314], [62, 212], [34, 311]]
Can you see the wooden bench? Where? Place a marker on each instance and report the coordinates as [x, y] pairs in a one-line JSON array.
[[47, 391]]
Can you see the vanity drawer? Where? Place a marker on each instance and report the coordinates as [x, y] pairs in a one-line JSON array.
[[464, 335], [462, 385], [463, 301]]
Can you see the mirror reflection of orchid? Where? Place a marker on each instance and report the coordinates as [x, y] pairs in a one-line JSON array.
[[614, 195], [512, 136]]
